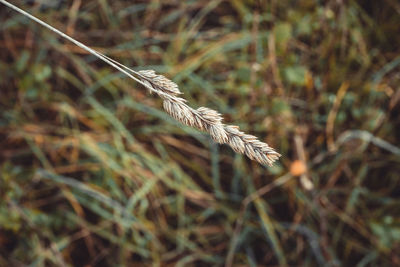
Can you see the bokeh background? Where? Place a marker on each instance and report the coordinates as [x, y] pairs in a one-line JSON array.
[[94, 173]]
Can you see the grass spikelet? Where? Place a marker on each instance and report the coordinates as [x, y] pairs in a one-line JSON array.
[[159, 82]]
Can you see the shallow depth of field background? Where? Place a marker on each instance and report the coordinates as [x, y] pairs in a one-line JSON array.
[[94, 173]]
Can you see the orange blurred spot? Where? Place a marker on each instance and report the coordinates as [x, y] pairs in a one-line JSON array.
[[297, 168], [39, 139]]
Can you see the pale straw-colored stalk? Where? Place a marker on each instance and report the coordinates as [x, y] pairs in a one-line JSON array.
[[203, 118]]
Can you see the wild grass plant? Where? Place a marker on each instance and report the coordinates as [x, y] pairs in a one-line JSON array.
[[93, 173], [202, 118]]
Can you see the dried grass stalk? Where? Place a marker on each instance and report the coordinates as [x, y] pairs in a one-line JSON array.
[[203, 118], [209, 120]]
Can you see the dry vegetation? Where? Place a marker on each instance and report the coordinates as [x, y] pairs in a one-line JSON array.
[[94, 173]]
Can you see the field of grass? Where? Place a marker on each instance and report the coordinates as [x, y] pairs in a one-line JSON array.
[[94, 173]]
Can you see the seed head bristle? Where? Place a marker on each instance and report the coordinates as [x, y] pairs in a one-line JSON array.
[[159, 82]]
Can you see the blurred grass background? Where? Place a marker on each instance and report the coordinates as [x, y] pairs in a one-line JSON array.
[[94, 173]]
